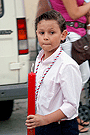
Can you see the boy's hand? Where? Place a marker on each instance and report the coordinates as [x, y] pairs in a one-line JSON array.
[[34, 121]]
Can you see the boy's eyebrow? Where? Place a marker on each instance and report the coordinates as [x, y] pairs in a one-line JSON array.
[[40, 29], [43, 29]]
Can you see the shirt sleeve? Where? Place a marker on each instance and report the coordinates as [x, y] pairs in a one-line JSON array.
[[71, 86]]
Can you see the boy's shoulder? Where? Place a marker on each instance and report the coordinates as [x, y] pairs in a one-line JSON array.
[[66, 59]]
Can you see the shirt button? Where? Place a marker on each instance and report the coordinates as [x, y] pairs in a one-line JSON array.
[[37, 110]]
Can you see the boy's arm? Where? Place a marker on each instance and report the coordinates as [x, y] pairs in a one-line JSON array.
[[37, 120], [55, 116]]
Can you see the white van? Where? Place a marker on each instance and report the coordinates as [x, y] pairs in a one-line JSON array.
[[14, 55]]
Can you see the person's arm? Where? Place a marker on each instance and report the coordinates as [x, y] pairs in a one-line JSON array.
[[37, 120], [88, 19], [42, 7], [74, 10]]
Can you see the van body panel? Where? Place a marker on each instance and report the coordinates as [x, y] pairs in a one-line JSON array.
[[14, 68], [11, 92], [23, 60], [14, 55], [19, 8], [8, 44]]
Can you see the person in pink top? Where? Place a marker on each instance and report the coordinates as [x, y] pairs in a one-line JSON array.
[[71, 12], [75, 12]]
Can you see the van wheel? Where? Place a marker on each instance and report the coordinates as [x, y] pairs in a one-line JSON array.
[[6, 108]]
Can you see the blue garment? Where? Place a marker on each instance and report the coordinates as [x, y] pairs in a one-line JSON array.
[[68, 127]]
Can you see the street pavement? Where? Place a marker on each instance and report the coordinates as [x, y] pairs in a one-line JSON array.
[[16, 124]]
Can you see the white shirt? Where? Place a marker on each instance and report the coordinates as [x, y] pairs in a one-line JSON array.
[[61, 87]]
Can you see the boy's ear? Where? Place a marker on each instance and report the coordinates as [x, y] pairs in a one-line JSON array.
[[64, 34], [36, 32]]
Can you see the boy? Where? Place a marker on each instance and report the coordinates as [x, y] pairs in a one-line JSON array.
[[58, 81]]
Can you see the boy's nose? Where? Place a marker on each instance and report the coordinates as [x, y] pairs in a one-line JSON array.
[[46, 36]]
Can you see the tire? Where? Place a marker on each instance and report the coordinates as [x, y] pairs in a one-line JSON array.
[[84, 113], [6, 108]]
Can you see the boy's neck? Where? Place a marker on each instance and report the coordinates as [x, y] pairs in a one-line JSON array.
[[46, 55]]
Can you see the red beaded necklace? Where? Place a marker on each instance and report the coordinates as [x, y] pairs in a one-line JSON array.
[[37, 89]]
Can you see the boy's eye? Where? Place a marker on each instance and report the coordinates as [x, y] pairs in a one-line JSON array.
[[41, 32], [52, 32]]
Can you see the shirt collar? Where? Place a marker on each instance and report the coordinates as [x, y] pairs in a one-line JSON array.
[[50, 58]]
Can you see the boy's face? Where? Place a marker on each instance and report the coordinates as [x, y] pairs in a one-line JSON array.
[[49, 35]]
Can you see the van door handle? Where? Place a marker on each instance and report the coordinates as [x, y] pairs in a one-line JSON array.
[[15, 66]]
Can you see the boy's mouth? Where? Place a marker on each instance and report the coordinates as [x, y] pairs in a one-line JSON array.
[[46, 44]]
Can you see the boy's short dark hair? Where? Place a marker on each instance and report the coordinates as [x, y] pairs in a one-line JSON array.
[[52, 15]]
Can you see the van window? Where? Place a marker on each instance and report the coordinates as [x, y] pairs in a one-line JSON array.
[[1, 8]]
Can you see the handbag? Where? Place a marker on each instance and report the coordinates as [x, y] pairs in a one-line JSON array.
[[81, 49], [43, 6]]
